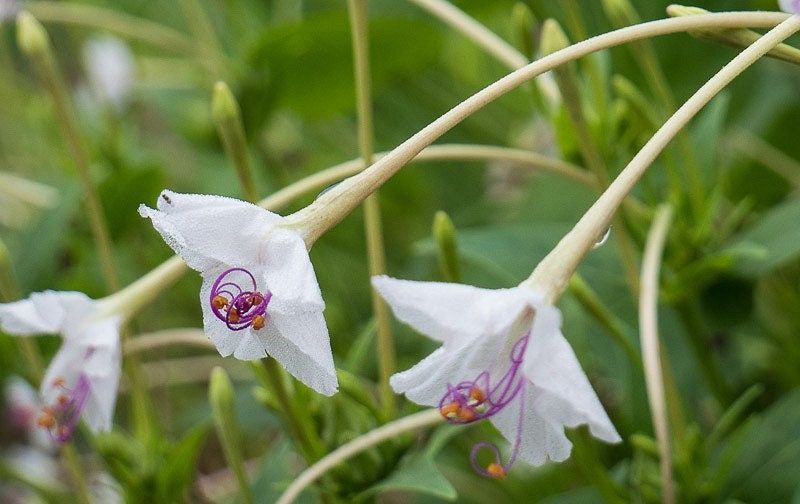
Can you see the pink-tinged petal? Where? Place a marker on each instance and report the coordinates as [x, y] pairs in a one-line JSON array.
[[454, 313], [45, 312], [540, 440], [426, 383], [289, 274], [301, 344], [790, 6], [207, 230], [99, 363], [565, 398]]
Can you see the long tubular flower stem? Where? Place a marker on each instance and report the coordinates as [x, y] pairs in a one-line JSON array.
[[113, 21], [333, 206], [372, 212], [388, 431], [553, 272], [298, 424], [648, 320], [475, 31], [35, 43]]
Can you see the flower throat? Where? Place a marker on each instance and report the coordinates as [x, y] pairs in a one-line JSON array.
[[239, 305]]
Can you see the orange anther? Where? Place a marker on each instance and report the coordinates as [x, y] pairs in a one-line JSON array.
[[46, 420], [256, 299], [233, 316], [219, 302], [449, 410], [477, 394], [59, 382], [496, 471], [258, 322], [466, 414], [62, 399]]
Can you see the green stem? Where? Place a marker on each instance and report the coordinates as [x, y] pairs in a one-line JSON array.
[[228, 118], [616, 328], [70, 458], [698, 339], [125, 25], [372, 213], [38, 48], [299, 425]]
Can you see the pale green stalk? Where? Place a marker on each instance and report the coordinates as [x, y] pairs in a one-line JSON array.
[[765, 154], [554, 39], [596, 80], [444, 236], [623, 13], [221, 398], [738, 38], [591, 302], [475, 31], [553, 272], [372, 212], [228, 118], [35, 43], [330, 208], [648, 332], [386, 432], [200, 24], [109, 20]]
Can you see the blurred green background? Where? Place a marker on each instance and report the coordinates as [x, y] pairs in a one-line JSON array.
[[731, 281]]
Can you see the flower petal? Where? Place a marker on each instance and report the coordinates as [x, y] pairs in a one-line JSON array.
[[565, 397], [289, 274], [301, 344], [540, 440], [206, 230], [100, 362], [426, 383], [790, 6], [44, 313], [454, 313]]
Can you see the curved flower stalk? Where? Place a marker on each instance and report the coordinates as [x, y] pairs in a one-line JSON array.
[[82, 379], [503, 358], [260, 295]]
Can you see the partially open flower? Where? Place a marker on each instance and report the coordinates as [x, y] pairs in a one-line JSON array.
[[82, 378], [502, 358], [790, 6], [260, 295]]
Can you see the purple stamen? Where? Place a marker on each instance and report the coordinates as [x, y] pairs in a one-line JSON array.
[[62, 418], [470, 401], [239, 305]]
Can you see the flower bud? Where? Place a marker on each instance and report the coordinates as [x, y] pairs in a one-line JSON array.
[[621, 12], [553, 37], [31, 35], [444, 234], [223, 104]]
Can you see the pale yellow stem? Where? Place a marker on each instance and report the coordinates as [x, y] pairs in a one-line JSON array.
[[410, 423], [330, 208], [190, 337], [553, 272], [648, 334]]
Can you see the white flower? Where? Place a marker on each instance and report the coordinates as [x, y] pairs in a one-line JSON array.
[[790, 6], [260, 295], [8, 10], [22, 411], [110, 68], [503, 357], [83, 376]]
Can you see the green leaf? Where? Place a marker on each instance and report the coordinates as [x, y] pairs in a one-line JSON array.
[[767, 466], [417, 473], [177, 473], [771, 242]]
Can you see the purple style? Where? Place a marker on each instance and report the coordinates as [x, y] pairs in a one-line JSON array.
[[470, 401], [239, 305], [61, 419]]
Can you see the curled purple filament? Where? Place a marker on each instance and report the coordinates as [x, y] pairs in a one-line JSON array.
[[470, 401], [62, 416], [239, 305]]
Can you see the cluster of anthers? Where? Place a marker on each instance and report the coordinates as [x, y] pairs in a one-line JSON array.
[[239, 306], [62, 416], [470, 401]]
